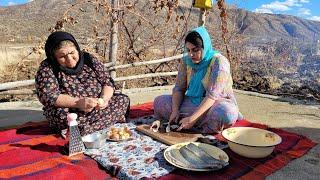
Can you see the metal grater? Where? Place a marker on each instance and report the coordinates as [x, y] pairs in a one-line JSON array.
[[76, 145]]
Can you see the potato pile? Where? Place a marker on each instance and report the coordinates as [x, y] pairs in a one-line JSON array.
[[119, 133]]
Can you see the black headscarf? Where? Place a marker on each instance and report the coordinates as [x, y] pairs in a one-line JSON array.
[[53, 40]]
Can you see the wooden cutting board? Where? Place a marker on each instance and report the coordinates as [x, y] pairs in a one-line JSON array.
[[168, 138]]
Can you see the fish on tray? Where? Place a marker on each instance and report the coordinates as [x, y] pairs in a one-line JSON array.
[[177, 158], [193, 156]]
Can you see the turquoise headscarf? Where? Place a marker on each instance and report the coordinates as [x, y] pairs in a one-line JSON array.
[[195, 89]]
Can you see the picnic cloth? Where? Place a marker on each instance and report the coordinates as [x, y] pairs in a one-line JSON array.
[[31, 151], [134, 159]]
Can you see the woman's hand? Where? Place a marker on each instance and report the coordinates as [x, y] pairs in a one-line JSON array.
[[102, 103], [174, 116], [106, 95], [87, 104], [186, 123]]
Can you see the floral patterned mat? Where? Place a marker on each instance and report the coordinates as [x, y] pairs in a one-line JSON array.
[[134, 159]]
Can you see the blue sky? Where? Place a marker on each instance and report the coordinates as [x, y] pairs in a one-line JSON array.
[[308, 9], [13, 2]]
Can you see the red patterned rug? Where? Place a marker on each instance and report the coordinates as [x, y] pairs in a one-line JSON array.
[[30, 151]]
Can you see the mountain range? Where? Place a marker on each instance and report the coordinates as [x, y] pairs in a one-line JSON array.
[[277, 52], [31, 22], [271, 26]]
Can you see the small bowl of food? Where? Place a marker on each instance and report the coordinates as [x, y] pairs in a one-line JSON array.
[[93, 141], [251, 142]]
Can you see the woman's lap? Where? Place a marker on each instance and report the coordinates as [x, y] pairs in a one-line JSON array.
[[93, 121], [222, 114]]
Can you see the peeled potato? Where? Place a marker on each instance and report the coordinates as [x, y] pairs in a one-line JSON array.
[[115, 136], [100, 101], [121, 132], [126, 135], [126, 129], [114, 130], [122, 137], [109, 133]]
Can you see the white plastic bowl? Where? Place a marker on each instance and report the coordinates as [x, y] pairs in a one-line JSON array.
[[93, 141], [251, 142]]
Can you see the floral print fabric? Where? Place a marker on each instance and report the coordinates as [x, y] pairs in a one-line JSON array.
[[88, 83], [134, 159]]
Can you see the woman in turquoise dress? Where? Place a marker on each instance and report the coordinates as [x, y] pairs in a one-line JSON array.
[[202, 98]]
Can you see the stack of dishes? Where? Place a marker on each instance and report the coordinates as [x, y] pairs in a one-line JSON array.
[[196, 156]]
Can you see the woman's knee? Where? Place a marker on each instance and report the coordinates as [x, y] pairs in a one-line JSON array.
[[122, 103], [161, 101], [122, 98], [126, 101], [162, 98], [162, 106], [226, 112], [57, 118]]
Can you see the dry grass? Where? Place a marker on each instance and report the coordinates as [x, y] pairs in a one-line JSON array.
[[16, 63], [10, 55]]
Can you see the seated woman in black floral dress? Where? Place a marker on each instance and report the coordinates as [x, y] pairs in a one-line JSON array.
[[70, 80]]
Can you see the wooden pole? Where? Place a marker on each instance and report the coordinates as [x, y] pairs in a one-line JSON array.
[[10, 85], [32, 91], [109, 66], [114, 35], [135, 64], [18, 92], [174, 73], [202, 17]]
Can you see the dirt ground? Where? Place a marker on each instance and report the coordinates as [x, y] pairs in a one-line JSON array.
[[292, 115]]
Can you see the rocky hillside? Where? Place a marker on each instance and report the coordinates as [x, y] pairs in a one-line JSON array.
[[32, 21], [266, 27], [276, 50]]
